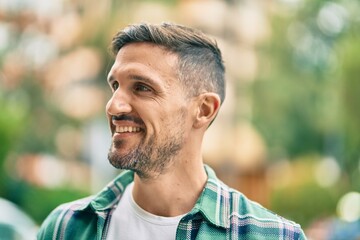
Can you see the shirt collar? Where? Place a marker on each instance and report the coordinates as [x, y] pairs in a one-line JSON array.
[[213, 203], [109, 197]]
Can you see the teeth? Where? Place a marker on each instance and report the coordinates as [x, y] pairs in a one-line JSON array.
[[127, 129]]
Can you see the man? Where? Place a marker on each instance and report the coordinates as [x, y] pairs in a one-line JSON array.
[[168, 84]]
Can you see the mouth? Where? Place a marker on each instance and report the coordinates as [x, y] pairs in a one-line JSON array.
[[127, 129]]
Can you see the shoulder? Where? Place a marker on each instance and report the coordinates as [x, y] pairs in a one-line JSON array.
[[230, 209], [60, 216], [81, 217], [247, 216]]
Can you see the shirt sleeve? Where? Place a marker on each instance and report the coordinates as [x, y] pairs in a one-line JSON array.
[[49, 228], [302, 235]]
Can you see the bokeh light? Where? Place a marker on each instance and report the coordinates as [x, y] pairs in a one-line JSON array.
[[327, 172], [349, 207], [332, 18]]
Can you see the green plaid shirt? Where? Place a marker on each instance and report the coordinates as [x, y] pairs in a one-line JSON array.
[[219, 213]]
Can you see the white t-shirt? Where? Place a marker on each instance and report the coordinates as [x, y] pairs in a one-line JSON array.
[[129, 221]]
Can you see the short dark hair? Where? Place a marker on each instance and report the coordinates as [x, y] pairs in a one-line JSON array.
[[200, 65]]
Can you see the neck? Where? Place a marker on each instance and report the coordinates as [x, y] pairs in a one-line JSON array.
[[172, 193]]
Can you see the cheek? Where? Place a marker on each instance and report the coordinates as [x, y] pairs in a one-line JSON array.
[[156, 120], [176, 119]]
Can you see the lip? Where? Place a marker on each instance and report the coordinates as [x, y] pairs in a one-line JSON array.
[[118, 135]]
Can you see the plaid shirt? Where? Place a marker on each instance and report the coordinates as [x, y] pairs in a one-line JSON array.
[[219, 213]]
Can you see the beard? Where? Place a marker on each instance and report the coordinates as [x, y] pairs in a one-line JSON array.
[[150, 159]]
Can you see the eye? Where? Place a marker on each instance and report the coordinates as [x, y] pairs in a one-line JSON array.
[[114, 85], [139, 87]]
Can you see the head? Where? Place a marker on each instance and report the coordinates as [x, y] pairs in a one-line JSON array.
[[167, 83], [200, 66]]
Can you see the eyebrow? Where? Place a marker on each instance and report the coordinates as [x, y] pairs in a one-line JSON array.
[[135, 77], [142, 78]]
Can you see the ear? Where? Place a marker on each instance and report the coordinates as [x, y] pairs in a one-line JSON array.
[[207, 109]]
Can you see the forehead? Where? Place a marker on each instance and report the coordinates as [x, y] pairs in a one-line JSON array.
[[147, 59]]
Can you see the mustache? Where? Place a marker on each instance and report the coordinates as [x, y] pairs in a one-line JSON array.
[[127, 118]]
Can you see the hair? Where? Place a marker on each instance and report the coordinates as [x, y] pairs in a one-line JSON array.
[[200, 64]]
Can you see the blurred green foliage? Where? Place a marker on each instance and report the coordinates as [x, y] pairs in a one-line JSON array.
[[301, 199], [349, 51], [11, 125], [15, 119], [305, 99], [304, 203], [39, 202]]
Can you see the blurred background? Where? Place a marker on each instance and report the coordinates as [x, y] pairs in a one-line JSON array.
[[288, 134]]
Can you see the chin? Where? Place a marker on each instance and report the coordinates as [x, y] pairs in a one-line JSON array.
[[122, 158], [120, 162]]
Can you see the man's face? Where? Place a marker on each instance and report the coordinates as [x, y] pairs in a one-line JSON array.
[[148, 111]]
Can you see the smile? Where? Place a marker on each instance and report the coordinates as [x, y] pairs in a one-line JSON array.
[[127, 129]]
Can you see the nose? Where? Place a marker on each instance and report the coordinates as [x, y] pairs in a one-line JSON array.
[[118, 104]]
